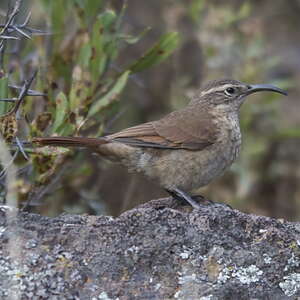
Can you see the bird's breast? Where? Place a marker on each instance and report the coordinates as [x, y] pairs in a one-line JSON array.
[[230, 138], [190, 170]]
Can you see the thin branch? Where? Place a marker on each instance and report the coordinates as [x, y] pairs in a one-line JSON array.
[[8, 37], [23, 93], [27, 19], [19, 30], [9, 29], [21, 148], [23, 29], [9, 99], [12, 16], [4, 31], [29, 92]]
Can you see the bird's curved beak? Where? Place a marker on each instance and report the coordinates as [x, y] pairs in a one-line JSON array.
[[264, 87]]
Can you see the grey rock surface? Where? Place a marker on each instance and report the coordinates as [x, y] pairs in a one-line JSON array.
[[156, 251]]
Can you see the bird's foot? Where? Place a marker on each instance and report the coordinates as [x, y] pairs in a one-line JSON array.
[[196, 201], [184, 197]]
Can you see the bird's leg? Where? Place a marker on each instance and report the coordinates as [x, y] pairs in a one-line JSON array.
[[182, 196]]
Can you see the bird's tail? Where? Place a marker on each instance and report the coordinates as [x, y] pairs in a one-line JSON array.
[[68, 141]]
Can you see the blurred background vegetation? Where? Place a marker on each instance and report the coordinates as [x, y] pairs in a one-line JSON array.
[[108, 65]]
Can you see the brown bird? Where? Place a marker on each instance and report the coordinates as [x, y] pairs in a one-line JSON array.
[[186, 149]]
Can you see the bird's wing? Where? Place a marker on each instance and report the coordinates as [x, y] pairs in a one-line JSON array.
[[186, 129]]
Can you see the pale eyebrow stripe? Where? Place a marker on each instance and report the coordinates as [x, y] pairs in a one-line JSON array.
[[217, 89]]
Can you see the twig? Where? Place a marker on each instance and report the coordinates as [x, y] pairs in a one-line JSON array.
[[23, 93], [4, 31], [12, 16], [9, 99], [21, 148], [9, 28], [29, 92], [8, 37]]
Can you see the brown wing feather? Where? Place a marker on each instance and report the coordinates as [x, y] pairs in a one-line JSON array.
[[192, 128], [184, 129], [145, 129]]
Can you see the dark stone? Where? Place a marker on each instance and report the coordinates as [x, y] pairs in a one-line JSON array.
[[156, 251]]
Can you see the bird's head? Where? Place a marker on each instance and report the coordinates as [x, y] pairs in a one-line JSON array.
[[231, 93]]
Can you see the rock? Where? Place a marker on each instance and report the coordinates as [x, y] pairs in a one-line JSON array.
[[155, 251]]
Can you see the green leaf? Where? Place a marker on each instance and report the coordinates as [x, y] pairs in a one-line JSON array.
[[107, 18], [99, 57], [58, 15], [3, 94], [158, 53], [90, 8], [66, 129], [79, 90], [85, 54], [129, 39], [244, 11], [195, 9], [111, 96], [60, 111], [80, 3], [232, 17]]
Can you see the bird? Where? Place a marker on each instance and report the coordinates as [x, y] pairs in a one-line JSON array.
[[184, 150]]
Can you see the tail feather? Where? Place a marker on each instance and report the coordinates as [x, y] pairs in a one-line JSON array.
[[68, 141]]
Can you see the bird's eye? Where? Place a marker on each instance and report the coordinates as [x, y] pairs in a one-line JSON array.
[[230, 91]]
